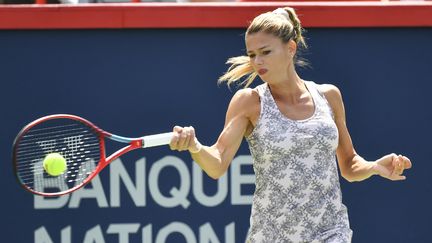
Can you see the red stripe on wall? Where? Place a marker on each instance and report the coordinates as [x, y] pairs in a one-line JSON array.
[[212, 15]]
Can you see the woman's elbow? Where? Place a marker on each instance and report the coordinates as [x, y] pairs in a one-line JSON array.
[[216, 174], [349, 179], [348, 176]]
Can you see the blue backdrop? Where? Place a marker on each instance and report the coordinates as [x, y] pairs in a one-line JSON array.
[[138, 82]]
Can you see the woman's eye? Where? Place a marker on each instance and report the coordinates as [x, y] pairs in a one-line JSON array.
[[266, 52], [251, 55]]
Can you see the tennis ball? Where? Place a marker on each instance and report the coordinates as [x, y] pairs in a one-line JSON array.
[[54, 164]]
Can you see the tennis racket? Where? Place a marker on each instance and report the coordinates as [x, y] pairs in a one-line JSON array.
[[82, 145]]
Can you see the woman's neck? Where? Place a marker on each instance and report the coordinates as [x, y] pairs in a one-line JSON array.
[[291, 89]]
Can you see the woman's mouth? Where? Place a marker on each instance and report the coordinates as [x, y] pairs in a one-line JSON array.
[[262, 71]]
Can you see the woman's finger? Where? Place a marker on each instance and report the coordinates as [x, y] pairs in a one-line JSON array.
[[407, 162], [401, 165], [175, 138], [187, 139]]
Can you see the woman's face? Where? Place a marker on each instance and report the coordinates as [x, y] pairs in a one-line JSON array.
[[269, 56]]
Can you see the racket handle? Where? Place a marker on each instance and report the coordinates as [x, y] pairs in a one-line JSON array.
[[157, 139]]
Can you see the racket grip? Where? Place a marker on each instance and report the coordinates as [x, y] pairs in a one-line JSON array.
[[157, 139]]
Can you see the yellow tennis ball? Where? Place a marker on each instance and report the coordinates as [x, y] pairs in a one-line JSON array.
[[54, 164]]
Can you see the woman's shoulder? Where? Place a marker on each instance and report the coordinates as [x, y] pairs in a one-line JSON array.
[[246, 96], [331, 92], [246, 101]]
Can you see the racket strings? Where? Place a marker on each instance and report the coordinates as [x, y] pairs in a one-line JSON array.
[[51, 137], [77, 142], [39, 169], [85, 148]]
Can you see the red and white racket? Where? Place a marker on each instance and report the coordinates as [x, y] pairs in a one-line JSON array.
[[79, 141]]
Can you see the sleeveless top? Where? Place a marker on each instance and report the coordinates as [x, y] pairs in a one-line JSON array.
[[297, 196]]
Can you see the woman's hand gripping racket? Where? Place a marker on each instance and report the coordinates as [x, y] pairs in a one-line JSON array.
[[73, 147]]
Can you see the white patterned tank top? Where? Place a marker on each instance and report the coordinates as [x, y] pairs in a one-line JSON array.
[[297, 196]]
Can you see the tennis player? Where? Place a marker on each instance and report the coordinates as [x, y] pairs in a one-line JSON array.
[[294, 129]]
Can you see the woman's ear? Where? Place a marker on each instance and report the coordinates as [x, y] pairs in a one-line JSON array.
[[292, 47]]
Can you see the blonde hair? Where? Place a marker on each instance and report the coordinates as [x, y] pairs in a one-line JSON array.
[[282, 23]]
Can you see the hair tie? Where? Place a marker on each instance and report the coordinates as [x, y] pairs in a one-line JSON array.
[[282, 12]]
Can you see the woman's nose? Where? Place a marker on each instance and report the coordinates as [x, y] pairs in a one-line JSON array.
[[258, 60]]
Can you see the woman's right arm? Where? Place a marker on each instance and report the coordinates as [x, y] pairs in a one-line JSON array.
[[215, 159]]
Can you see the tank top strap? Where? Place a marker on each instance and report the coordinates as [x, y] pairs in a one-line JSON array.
[[321, 102], [261, 89], [265, 98], [313, 90]]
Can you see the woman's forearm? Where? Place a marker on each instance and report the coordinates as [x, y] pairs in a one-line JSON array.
[[210, 160], [359, 169]]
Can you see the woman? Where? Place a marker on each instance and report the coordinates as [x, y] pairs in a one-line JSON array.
[[294, 129]]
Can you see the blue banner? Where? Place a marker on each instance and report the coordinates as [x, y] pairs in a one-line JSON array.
[[140, 82]]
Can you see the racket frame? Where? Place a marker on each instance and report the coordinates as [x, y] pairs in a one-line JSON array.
[[133, 143]]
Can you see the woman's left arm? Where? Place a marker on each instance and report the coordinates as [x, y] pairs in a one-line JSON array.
[[352, 166]]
